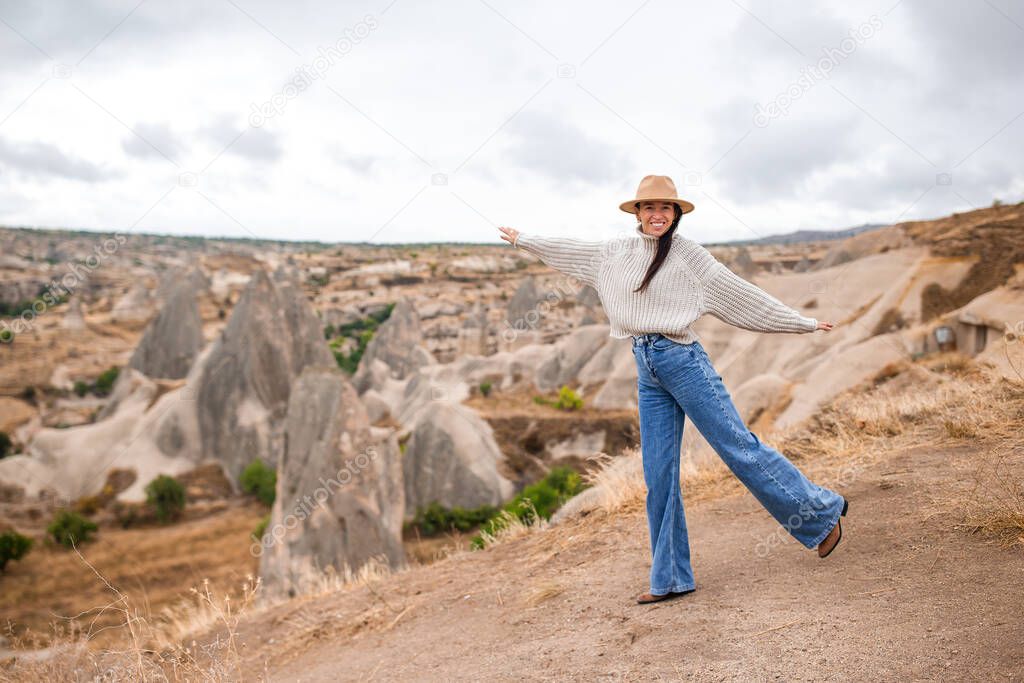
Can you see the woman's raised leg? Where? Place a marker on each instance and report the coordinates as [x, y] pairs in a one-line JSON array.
[[807, 511]]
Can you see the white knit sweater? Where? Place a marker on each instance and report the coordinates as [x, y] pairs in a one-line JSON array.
[[690, 283]]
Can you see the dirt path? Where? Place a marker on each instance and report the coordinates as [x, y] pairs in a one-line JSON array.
[[905, 596]]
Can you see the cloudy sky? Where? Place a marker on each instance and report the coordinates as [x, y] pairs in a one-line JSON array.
[[395, 121]]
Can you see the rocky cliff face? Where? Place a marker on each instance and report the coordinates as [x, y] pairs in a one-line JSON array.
[[340, 498], [243, 393], [173, 339], [452, 458]]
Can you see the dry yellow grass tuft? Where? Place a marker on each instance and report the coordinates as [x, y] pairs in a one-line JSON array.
[[509, 526], [996, 504], [153, 647], [541, 592]]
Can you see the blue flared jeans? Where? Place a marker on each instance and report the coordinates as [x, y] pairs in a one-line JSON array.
[[677, 381]]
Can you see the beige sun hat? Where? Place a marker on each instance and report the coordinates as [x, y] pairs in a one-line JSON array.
[[656, 188]]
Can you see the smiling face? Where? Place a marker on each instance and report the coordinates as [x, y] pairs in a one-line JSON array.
[[656, 217]]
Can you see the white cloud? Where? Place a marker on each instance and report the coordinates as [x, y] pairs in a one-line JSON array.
[[472, 94]]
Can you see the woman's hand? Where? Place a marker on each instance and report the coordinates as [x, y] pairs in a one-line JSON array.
[[823, 325], [508, 234]]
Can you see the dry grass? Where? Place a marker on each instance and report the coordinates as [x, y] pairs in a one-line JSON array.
[[194, 639], [152, 649], [129, 621], [509, 526], [995, 506], [146, 564], [319, 582], [541, 592]]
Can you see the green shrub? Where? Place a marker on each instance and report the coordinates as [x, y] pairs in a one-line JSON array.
[[167, 495], [543, 498], [485, 388], [105, 382], [70, 528], [13, 546], [6, 336], [261, 528], [362, 332], [259, 480], [436, 519], [5, 445], [568, 399], [81, 388]]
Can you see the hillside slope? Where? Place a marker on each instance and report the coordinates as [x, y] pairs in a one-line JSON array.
[[920, 452]]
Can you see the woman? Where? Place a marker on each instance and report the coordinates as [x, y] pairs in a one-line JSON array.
[[653, 286]]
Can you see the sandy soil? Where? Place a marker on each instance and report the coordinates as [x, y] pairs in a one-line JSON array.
[[906, 595]]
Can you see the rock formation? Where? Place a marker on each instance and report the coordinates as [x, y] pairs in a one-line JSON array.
[[522, 308], [397, 344], [571, 353], [172, 279], [135, 306], [451, 457], [242, 395], [743, 264], [73, 319], [593, 311], [473, 333], [173, 339], [340, 500]]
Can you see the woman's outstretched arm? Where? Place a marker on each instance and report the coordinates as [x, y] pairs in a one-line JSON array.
[[738, 302], [578, 258]]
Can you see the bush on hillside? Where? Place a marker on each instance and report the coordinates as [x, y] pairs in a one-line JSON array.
[[105, 382], [260, 480], [261, 528], [13, 546], [69, 528], [568, 399], [436, 519], [542, 499], [167, 496]]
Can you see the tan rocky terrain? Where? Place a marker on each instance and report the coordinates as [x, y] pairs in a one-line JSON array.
[[452, 359]]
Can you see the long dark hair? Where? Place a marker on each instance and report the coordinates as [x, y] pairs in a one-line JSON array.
[[664, 243]]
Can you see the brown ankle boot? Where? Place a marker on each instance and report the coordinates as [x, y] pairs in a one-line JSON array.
[[832, 540]]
